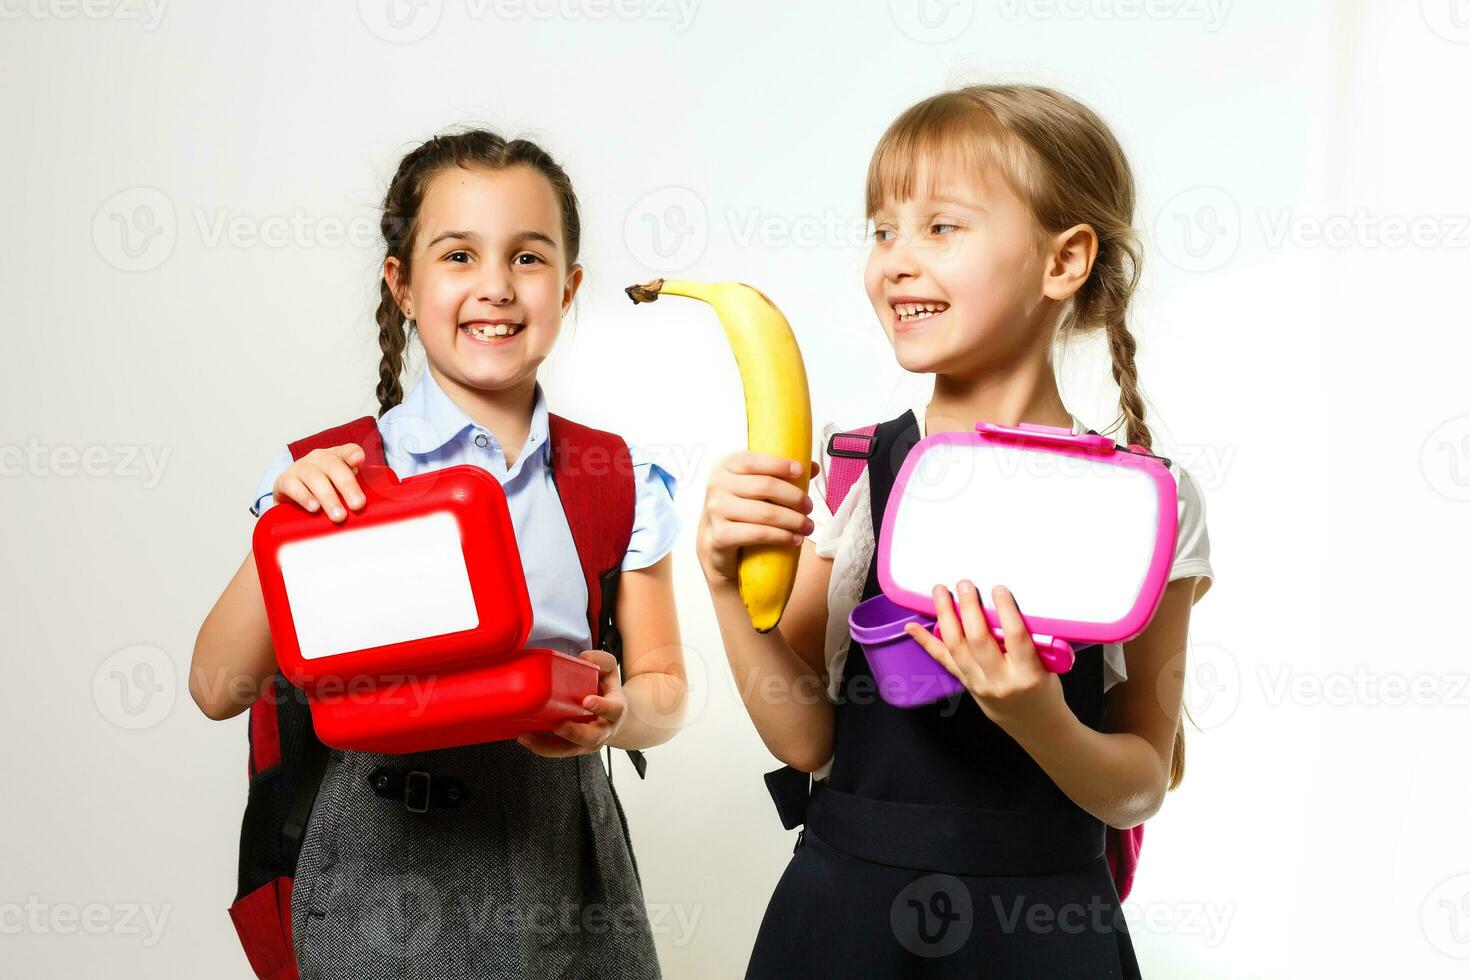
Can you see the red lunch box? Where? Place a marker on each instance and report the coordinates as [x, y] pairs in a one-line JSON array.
[[406, 624]]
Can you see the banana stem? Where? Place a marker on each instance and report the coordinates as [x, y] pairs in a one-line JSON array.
[[646, 293], [650, 291]]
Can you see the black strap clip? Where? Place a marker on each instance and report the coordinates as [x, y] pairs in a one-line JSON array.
[[834, 450], [419, 791]]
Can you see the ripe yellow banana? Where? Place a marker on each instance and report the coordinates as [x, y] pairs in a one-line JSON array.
[[778, 416]]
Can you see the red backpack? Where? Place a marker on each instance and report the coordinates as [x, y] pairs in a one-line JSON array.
[[593, 474], [845, 464]]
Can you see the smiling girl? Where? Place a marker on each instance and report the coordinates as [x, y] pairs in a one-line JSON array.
[[520, 864], [963, 838]]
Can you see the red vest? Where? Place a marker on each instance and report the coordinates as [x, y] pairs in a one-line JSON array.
[[593, 473]]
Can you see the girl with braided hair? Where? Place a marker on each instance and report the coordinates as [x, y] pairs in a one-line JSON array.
[[1002, 225], [521, 866]]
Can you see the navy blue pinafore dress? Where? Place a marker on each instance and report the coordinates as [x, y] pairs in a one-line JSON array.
[[937, 847]]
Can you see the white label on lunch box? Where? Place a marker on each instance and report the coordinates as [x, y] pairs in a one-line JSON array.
[[1071, 537], [389, 583]]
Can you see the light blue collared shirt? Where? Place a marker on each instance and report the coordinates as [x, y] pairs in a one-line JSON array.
[[428, 431]]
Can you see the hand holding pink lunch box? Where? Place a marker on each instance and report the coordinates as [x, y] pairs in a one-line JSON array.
[[1081, 530]]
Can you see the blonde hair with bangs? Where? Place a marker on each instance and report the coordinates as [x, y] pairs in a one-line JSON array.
[[1066, 164]]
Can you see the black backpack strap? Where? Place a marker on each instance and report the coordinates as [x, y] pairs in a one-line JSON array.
[[283, 792], [609, 639], [791, 789], [314, 755]]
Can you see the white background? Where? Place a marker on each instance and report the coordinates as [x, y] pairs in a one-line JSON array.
[[1304, 361]]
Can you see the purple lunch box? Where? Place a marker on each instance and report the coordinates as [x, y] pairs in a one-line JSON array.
[[905, 673]]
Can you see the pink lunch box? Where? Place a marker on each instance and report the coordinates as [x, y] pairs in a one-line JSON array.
[[1081, 531]]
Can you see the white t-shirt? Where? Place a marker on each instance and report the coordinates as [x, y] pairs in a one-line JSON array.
[[847, 538]]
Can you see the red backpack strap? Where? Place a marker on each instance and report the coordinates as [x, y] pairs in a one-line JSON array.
[[847, 457], [363, 431], [593, 473]]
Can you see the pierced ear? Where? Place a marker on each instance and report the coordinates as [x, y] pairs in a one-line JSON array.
[[1070, 261]]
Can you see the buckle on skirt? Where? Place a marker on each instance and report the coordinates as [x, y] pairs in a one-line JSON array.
[[419, 791]]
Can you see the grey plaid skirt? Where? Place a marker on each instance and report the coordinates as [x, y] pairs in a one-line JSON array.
[[533, 876]]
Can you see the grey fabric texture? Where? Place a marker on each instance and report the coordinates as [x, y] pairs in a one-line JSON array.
[[532, 877]]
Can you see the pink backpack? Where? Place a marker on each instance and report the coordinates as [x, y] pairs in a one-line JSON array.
[[846, 463]]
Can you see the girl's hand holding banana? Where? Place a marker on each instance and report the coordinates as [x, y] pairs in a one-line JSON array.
[[778, 418], [749, 502]]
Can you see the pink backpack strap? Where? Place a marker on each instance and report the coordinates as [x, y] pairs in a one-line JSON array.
[[1122, 850], [847, 456]]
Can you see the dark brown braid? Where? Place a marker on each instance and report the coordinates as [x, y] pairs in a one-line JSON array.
[[393, 341], [468, 149]]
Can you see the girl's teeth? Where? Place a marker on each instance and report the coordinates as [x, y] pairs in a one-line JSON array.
[[486, 331], [919, 311]]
